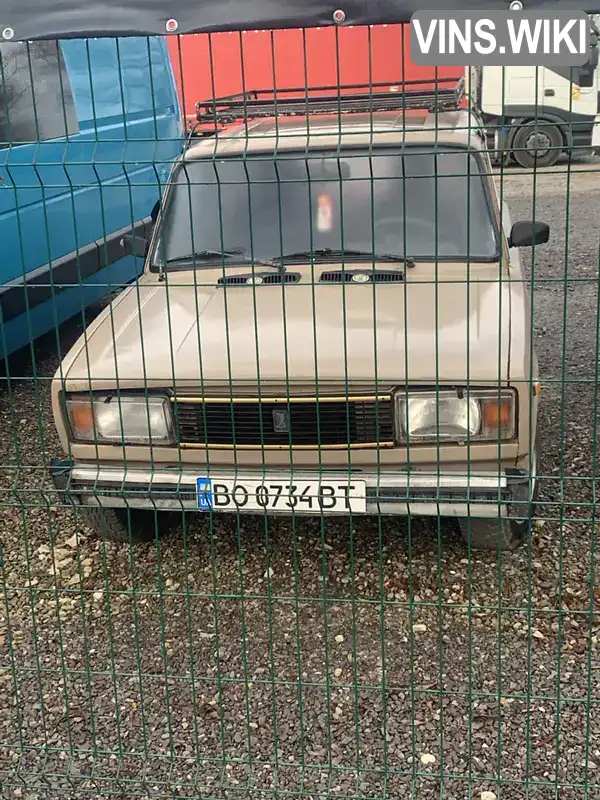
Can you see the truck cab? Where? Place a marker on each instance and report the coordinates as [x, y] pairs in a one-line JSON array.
[[535, 114]]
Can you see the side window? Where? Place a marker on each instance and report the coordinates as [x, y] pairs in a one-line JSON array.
[[145, 69], [36, 101]]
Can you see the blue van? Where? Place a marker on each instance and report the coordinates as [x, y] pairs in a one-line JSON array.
[[88, 128]]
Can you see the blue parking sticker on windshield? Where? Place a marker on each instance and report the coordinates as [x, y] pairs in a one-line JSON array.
[[204, 493]]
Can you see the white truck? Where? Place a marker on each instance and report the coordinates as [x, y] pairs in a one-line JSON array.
[[534, 114]]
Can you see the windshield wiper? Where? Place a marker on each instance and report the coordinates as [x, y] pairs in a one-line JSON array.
[[204, 256], [329, 253]]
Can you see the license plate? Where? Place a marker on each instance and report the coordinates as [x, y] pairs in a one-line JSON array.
[[299, 497]]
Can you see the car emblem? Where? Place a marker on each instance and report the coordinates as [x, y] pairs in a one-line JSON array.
[[281, 421]]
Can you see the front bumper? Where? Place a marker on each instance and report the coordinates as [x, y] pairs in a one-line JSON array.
[[448, 494]]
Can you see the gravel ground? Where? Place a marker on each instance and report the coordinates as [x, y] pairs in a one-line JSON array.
[[309, 658]]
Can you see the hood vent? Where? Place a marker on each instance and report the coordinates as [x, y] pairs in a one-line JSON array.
[[260, 278], [362, 276]]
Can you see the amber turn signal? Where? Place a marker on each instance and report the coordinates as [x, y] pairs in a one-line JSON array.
[[82, 419], [496, 414]]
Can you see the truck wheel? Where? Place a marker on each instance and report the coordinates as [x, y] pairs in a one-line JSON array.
[[537, 144], [126, 524]]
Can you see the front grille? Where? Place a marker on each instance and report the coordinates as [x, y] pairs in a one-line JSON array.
[[312, 423]]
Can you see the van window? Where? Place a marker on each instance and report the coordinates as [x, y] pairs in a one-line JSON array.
[[36, 102], [110, 77]]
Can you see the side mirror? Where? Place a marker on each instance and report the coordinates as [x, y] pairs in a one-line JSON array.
[[526, 234], [154, 212], [594, 55], [587, 75], [135, 245]]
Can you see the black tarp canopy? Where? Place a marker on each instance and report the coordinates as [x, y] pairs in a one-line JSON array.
[[55, 19]]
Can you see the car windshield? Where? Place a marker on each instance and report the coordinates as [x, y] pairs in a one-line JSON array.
[[415, 203]]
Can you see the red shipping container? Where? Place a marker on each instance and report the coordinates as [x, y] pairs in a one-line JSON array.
[[215, 65]]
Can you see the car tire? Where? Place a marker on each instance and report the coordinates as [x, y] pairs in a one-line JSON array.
[[127, 524], [502, 533], [549, 139], [494, 534]]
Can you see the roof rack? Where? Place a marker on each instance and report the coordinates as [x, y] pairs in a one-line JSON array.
[[330, 100]]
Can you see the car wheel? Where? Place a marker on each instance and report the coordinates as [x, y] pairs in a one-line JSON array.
[[537, 144], [127, 524], [504, 533], [494, 534]]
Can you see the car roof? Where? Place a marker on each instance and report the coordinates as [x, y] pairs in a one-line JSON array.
[[316, 131]]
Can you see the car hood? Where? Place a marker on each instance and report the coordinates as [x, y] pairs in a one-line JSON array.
[[176, 335]]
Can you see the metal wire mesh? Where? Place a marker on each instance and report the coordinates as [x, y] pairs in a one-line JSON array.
[[284, 272]]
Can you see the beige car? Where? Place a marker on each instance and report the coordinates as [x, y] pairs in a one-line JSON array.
[[332, 320]]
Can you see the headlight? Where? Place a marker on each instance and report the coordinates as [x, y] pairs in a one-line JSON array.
[[454, 416], [125, 419]]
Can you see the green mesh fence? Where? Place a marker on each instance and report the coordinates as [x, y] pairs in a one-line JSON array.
[[299, 422]]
